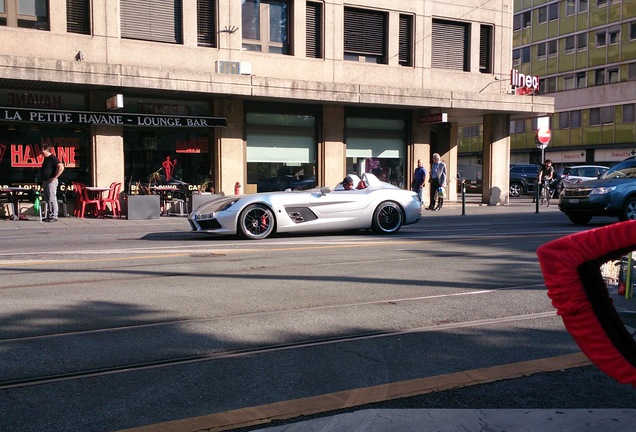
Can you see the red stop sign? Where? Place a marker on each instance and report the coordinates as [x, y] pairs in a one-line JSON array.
[[544, 135]]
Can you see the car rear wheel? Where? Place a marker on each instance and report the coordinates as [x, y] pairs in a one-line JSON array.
[[629, 210], [256, 222], [516, 189], [387, 218], [580, 219]]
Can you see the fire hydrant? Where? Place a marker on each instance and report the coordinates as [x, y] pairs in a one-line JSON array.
[[237, 188]]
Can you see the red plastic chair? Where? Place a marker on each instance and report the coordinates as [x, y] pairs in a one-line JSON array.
[[113, 199], [84, 200]]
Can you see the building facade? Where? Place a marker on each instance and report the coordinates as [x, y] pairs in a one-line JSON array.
[[263, 94], [585, 54]]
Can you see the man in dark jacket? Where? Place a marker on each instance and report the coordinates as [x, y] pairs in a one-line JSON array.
[[51, 170]]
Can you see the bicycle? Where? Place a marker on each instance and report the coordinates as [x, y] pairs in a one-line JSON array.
[[546, 193]]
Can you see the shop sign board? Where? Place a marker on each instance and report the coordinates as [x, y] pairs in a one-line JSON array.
[[434, 118], [614, 154], [529, 83], [110, 119]]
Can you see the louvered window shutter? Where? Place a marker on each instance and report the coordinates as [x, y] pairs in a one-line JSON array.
[[364, 33], [450, 45], [78, 16], [206, 23], [485, 49], [314, 30], [406, 40], [152, 20]]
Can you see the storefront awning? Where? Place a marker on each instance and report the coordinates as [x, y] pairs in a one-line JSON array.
[[60, 117]]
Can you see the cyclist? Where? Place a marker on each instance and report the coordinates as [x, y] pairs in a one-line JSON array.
[[546, 172]]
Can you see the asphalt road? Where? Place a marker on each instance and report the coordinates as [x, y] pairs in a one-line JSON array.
[[114, 324]]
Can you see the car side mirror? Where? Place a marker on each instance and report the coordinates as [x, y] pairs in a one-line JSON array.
[[324, 190], [590, 279]]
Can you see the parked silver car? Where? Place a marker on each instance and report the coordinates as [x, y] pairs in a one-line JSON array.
[[372, 205]]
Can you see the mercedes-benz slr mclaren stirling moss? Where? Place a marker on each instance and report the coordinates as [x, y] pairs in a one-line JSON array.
[[373, 204]]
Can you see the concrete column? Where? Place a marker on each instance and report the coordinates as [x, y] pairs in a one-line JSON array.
[[333, 155], [444, 142], [420, 149], [496, 161], [107, 148], [230, 151]]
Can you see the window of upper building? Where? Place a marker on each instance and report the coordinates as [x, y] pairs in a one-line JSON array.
[[266, 26], [613, 74], [569, 44], [614, 35], [313, 48], [78, 16], [543, 14], [564, 120], [547, 85], [583, 6], [601, 38], [600, 3], [152, 20], [581, 80], [206, 23], [570, 7], [516, 57], [603, 115], [553, 48], [470, 131], [569, 83], [629, 114], [575, 119], [525, 55], [632, 30], [541, 51], [522, 20], [631, 71], [485, 48], [365, 35], [581, 41], [32, 14], [553, 11], [406, 40], [599, 77], [451, 47]]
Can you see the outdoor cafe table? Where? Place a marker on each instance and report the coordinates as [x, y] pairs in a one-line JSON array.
[[96, 193], [14, 194]]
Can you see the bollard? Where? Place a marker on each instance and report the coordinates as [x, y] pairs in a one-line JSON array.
[[463, 198], [536, 195], [237, 188]]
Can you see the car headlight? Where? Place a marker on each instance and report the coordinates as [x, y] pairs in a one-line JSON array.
[[602, 190], [227, 205]]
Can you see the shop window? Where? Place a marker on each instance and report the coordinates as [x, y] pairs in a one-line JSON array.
[[206, 23], [601, 38], [575, 119], [32, 14], [406, 40], [543, 14], [485, 49], [564, 120], [78, 16], [553, 11], [569, 44], [152, 20], [365, 36], [450, 45], [629, 115], [266, 26], [281, 151], [314, 30], [541, 51], [581, 41]]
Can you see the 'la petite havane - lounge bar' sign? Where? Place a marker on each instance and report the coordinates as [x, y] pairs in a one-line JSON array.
[[110, 119]]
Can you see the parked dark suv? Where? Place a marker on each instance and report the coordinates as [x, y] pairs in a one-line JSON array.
[[614, 194], [522, 179]]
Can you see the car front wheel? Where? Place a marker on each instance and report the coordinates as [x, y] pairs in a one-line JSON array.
[[387, 218], [629, 210], [516, 189], [256, 222]]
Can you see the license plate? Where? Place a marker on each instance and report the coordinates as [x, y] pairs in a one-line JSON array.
[[573, 201]]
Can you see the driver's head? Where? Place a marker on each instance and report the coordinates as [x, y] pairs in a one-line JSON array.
[[347, 183]]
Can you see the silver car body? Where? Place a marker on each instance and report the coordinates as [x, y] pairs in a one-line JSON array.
[[380, 206]]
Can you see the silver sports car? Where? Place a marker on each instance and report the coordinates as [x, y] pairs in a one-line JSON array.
[[373, 204]]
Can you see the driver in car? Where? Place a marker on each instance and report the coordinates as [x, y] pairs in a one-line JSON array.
[[347, 183]]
